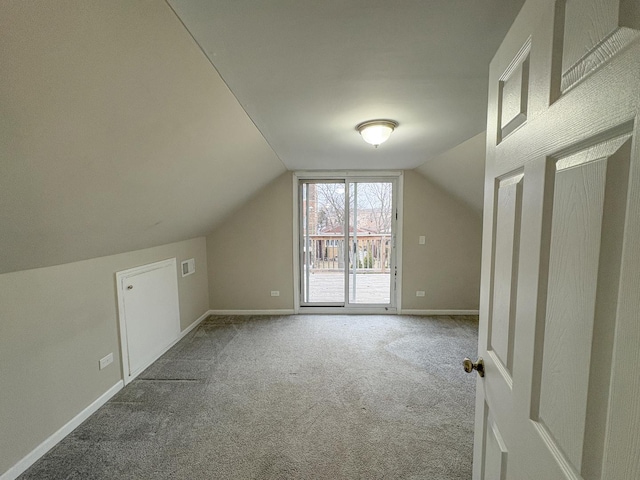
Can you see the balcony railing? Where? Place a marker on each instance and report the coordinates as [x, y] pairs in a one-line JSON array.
[[371, 252]]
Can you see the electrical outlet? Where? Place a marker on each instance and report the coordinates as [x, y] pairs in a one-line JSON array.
[[108, 360], [419, 293], [275, 293], [421, 240]]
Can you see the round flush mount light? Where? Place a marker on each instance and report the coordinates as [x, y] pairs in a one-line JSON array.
[[376, 132]]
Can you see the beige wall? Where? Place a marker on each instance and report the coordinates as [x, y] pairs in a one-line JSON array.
[[447, 267], [116, 133], [55, 324], [251, 253], [460, 171]]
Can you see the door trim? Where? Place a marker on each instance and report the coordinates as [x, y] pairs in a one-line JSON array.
[[349, 175]]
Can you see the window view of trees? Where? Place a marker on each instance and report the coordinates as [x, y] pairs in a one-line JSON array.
[[330, 205], [374, 209]]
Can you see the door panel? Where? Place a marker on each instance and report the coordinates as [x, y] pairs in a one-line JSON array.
[[592, 32], [588, 22], [579, 281], [507, 246], [513, 96], [559, 329], [573, 269], [496, 455], [583, 275]]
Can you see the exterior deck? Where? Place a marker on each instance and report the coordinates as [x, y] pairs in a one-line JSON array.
[[371, 288]]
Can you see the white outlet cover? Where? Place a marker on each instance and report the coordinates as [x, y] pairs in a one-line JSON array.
[[421, 239], [275, 293], [419, 293], [108, 360]]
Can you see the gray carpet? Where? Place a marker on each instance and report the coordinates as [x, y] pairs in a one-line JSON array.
[[292, 397]]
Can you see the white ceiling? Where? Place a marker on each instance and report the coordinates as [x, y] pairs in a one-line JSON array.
[[307, 72]]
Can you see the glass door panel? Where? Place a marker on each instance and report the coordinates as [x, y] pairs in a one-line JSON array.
[[370, 239], [323, 218]]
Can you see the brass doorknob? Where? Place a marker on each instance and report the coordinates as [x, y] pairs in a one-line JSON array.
[[469, 366]]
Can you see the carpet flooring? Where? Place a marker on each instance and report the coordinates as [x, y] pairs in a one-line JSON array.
[[288, 397]]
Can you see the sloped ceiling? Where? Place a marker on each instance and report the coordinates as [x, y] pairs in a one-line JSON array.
[[308, 71], [115, 133], [460, 171], [118, 133]]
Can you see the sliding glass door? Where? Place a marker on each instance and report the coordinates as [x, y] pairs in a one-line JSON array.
[[347, 242]]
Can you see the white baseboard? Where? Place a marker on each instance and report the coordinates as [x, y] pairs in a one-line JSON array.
[[347, 311], [252, 312], [184, 332], [65, 430], [54, 439], [341, 310], [439, 312]]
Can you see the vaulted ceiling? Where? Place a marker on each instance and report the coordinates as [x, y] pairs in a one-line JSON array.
[[119, 131]]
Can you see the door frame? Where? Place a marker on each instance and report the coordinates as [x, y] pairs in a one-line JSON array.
[[349, 176]]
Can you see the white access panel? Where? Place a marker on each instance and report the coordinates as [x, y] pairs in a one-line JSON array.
[[149, 314]]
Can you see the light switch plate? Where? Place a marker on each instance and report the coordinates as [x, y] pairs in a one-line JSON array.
[[421, 240]]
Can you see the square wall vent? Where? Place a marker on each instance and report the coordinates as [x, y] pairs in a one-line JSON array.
[[188, 267]]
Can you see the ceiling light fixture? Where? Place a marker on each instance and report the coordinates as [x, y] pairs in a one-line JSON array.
[[376, 132]]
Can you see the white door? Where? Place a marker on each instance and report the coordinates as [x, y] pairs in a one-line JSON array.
[[560, 296], [149, 314]]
